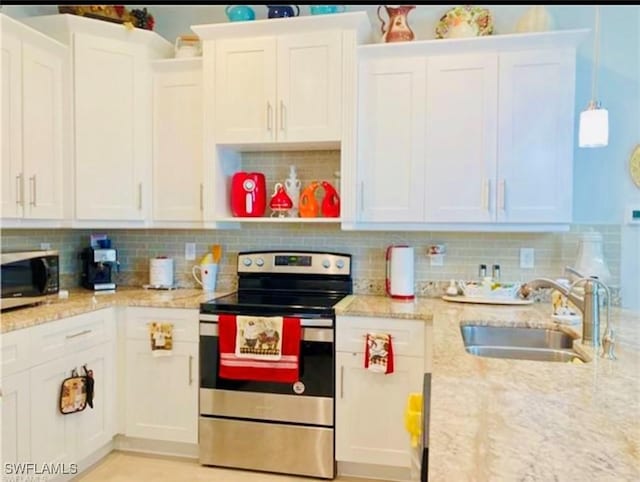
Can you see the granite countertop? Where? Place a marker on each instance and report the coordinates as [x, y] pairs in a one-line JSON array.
[[491, 419], [501, 420], [82, 301]]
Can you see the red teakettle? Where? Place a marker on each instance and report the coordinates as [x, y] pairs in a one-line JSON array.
[[280, 202]]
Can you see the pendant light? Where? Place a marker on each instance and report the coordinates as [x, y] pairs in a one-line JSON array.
[[594, 121]]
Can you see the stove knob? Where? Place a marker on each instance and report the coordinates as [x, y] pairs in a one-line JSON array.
[[326, 263], [259, 262], [246, 262], [340, 264]]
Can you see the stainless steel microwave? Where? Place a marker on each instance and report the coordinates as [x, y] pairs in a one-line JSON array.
[[28, 277]]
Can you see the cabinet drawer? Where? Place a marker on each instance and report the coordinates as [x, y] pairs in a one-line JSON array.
[[69, 335], [407, 335], [185, 323], [15, 352]]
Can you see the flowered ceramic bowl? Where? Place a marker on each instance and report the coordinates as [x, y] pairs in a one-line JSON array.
[[493, 290], [465, 21]]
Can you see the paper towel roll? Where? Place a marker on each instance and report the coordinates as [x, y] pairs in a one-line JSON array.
[[161, 272]]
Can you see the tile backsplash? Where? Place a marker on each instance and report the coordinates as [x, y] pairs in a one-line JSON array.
[[464, 251]]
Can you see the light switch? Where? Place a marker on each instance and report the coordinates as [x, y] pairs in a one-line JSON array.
[[189, 251], [527, 258]]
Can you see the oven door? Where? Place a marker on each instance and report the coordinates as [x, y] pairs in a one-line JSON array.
[[308, 401]]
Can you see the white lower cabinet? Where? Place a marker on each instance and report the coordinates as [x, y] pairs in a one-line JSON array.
[[72, 437], [162, 391], [16, 433], [370, 406], [35, 362], [370, 410]]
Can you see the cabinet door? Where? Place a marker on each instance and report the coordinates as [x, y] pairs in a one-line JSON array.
[[15, 418], [96, 426], [391, 111], [111, 110], [535, 136], [12, 193], [309, 87], [245, 90], [370, 410], [42, 131], [162, 392], [177, 145], [53, 435], [461, 138]]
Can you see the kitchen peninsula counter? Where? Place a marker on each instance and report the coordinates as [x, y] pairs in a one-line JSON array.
[[502, 420]]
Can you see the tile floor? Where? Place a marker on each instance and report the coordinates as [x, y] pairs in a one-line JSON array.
[[128, 467]]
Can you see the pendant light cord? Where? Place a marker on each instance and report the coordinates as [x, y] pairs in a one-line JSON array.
[[596, 59]]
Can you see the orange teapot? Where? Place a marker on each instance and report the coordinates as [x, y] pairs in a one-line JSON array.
[[309, 207]]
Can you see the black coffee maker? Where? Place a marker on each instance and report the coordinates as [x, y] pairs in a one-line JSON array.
[[98, 266]]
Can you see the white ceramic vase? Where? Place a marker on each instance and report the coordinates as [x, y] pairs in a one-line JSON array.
[[536, 19]]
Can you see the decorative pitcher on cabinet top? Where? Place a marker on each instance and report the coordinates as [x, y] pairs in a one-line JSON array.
[[398, 28]]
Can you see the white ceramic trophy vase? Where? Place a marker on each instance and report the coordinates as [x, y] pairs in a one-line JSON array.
[[292, 187]]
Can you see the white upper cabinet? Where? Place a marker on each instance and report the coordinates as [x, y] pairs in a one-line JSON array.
[[495, 151], [112, 133], [33, 116], [279, 81], [391, 99], [245, 87], [536, 136], [112, 139], [177, 141], [279, 88], [460, 142]]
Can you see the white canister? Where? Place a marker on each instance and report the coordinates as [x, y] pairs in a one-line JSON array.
[[161, 271]]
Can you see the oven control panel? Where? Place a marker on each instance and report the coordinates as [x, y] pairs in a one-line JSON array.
[[297, 262]]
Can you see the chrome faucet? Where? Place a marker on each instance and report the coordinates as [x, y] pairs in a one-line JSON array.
[[589, 305]]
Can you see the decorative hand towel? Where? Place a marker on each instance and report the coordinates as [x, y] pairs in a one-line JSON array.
[[378, 353], [161, 335], [259, 337], [284, 370]]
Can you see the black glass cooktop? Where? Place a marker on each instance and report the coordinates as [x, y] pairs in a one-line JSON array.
[[261, 304]]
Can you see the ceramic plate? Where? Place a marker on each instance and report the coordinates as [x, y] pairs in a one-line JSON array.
[[634, 165], [472, 20]]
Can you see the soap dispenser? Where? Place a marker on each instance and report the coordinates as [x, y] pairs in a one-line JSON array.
[[292, 187]]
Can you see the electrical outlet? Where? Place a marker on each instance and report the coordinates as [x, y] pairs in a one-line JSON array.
[[45, 246], [527, 259], [189, 251]]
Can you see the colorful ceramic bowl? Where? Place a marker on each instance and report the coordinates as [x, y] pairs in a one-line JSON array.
[[465, 21]]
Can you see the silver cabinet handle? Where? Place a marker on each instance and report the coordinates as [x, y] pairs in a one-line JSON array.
[[201, 197], [361, 196], [485, 193], [20, 189], [341, 381], [140, 196], [281, 115], [269, 114], [501, 188], [83, 332], [32, 190], [190, 370]]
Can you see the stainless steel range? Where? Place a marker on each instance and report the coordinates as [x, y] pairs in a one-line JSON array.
[[265, 425]]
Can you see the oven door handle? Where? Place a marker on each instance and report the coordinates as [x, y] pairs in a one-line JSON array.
[[308, 334], [320, 322]]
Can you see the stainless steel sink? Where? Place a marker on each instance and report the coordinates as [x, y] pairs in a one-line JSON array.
[[538, 344]]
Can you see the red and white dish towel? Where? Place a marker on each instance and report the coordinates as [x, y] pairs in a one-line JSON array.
[[267, 350], [378, 353]]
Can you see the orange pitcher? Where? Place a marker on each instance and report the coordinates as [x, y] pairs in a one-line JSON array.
[[398, 30], [309, 207]]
